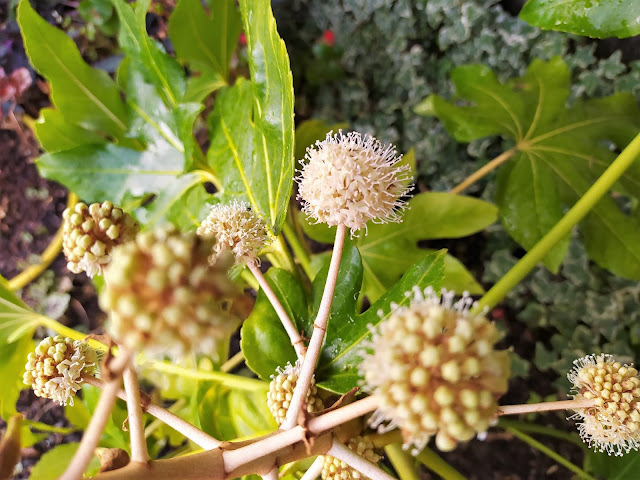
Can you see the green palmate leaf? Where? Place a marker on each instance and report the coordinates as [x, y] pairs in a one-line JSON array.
[[191, 207], [553, 143], [389, 249], [252, 125], [86, 97], [206, 43], [228, 414], [17, 320], [593, 18], [146, 55], [612, 467], [265, 343], [310, 131], [342, 353]]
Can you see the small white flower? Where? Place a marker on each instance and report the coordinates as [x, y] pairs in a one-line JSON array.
[[236, 228], [351, 179], [613, 424], [55, 369]]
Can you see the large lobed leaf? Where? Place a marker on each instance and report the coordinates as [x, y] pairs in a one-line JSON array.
[[252, 125], [559, 152], [266, 345], [388, 250], [593, 18]]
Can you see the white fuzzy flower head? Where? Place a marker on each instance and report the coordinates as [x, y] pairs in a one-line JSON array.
[[434, 369], [281, 391], [351, 179], [165, 298], [613, 424], [335, 469], [236, 228], [56, 367]]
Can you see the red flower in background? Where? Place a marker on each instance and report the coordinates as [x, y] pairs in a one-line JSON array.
[[328, 38]]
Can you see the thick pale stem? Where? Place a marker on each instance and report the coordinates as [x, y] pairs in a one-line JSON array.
[[287, 323], [203, 440], [489, 167], [139, 452], [340, 451], [314, 470], [272, 475], [546, 406], [92, 434], [266, 446], [317, 337]]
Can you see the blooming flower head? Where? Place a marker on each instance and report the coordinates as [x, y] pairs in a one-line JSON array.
[[351, 179], [335, 469], [236, 228], [613, 424], [165, 298], [281, 391], [56, 367], [434, 370], [89, 233]]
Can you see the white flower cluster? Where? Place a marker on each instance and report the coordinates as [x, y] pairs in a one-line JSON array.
[[351, 179], [335, 469], [281, 391], [613, 424], [434, 370], [56, 367], [236, 228]]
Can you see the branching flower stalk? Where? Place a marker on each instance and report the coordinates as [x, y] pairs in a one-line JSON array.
[[139, 452]]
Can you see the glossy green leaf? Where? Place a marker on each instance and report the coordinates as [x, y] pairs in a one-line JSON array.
[[613, 467], [55, 133], [389, 249], [191, 207], [531, 205], [342, 351], [96, 173], [146, 55], [264, 341], [13, 357], [593, 18], [201, 86], [55, 461], [205, 42], [16, 318], [228, 414], [85, 97], [310, 131], [252, 124], [530, 110]]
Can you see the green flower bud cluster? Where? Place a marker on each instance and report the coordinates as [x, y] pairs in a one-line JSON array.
[[236, 228], [165, 298], [613, 424], [281, 391], [56, 367], [434, 370], [334, 469], [89, 234]]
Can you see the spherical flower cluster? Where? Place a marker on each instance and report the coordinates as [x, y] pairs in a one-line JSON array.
[[281, 391], [434, 370], [613, 424], [89, 233], [351, 179], [164, 296], [334, 469], [237, 228], [56, 367]]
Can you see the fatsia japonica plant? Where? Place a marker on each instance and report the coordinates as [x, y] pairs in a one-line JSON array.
[[364, 355]]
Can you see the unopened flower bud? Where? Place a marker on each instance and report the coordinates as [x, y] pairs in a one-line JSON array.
[[89, 234], [281, 391], [452, 389], [165, 298], [56, 367], [335, 469]]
